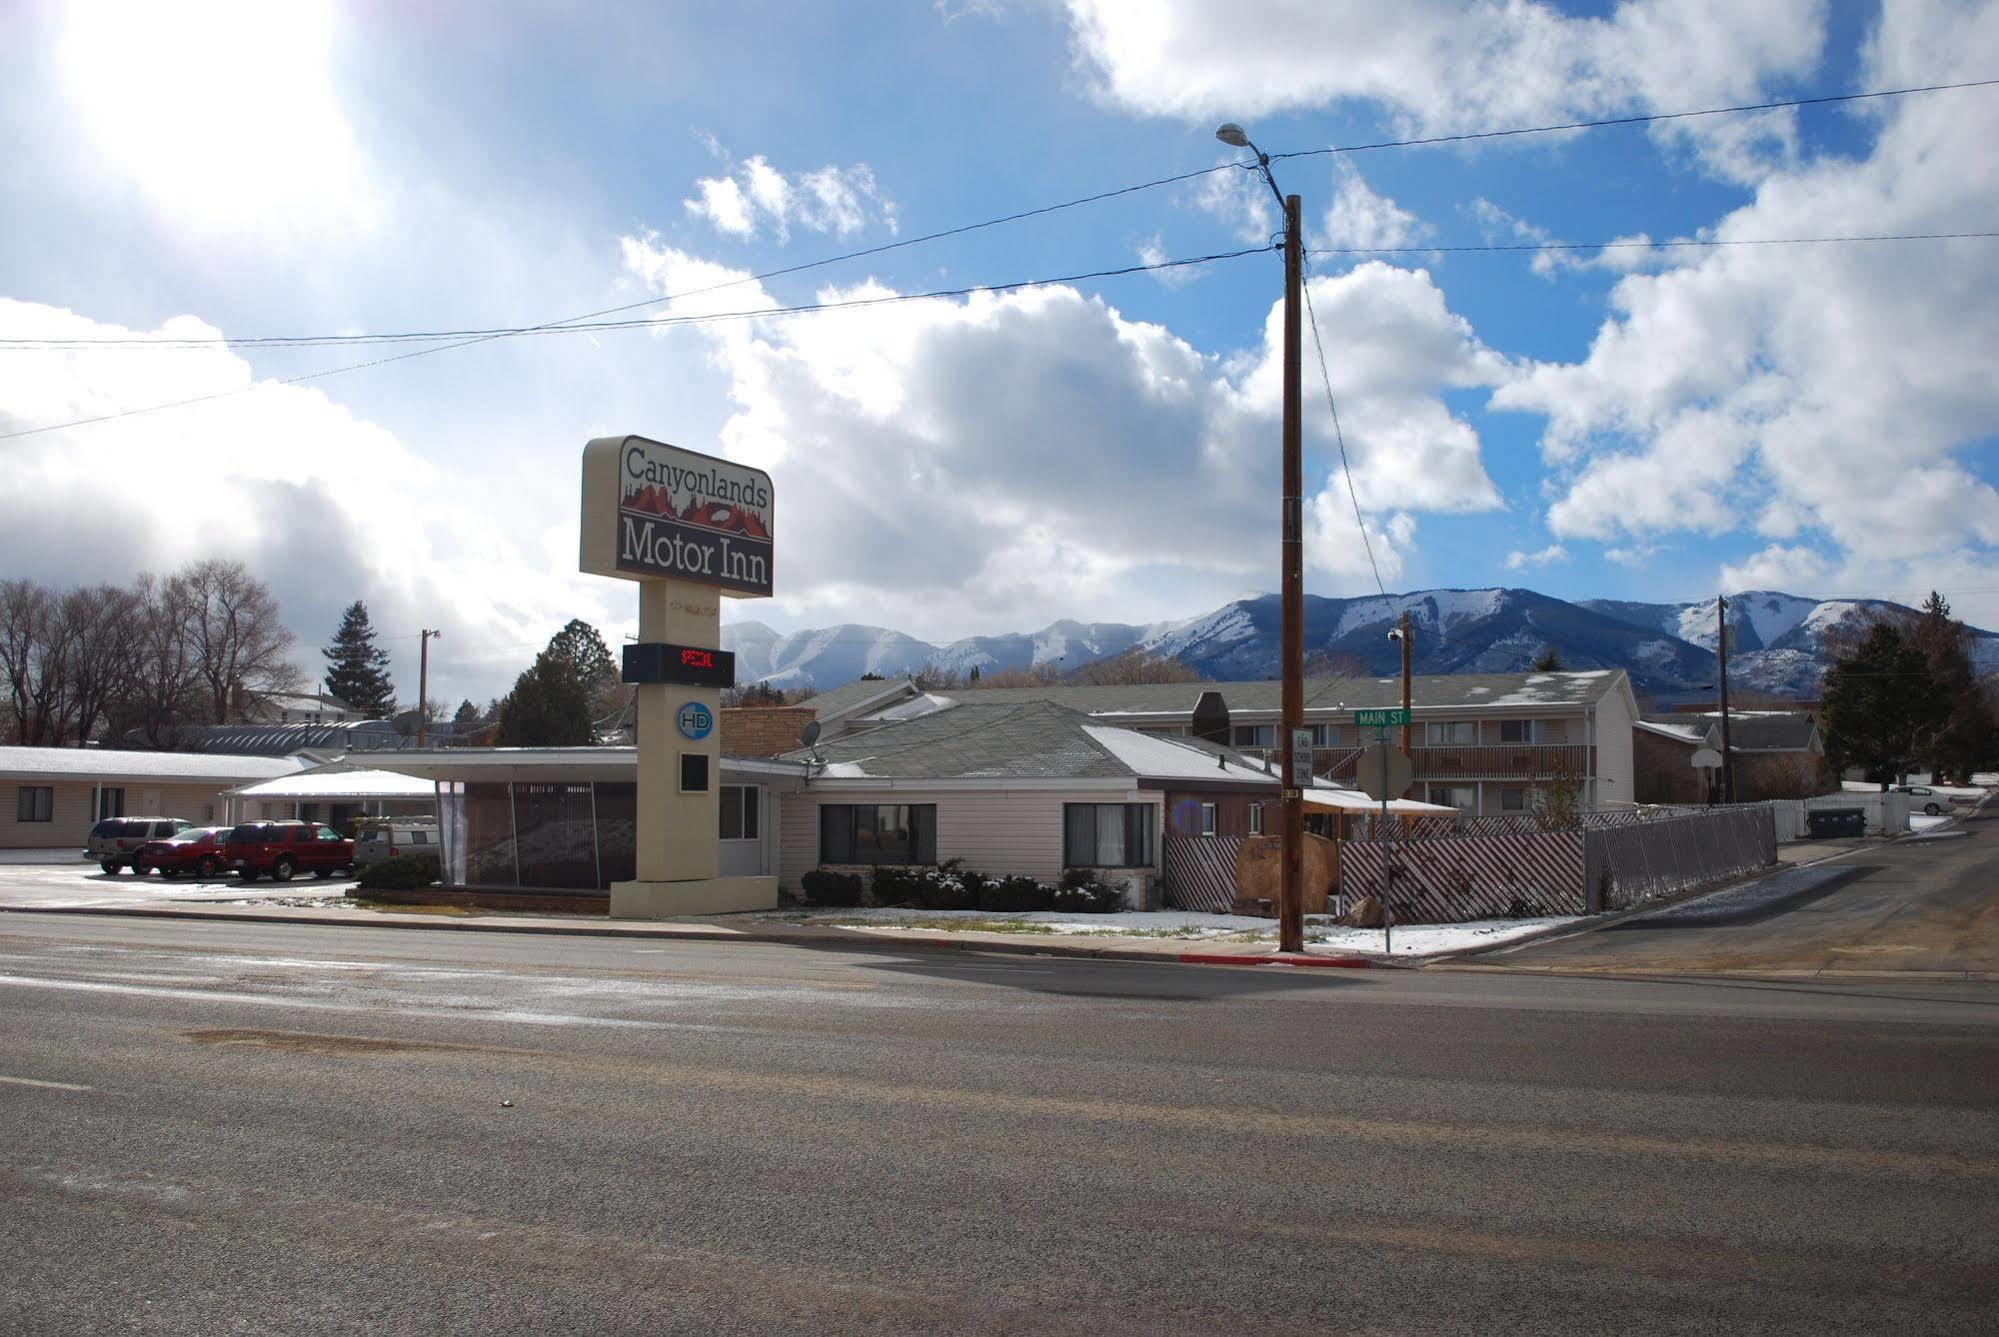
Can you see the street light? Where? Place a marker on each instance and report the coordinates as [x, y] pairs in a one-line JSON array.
[[1290, 896]]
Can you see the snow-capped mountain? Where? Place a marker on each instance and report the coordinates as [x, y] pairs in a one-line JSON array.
[[829, 656], [1779, 643]]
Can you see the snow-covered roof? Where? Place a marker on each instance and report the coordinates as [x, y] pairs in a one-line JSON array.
[[1679, 733], [1352, 800], [1326, 698], [335, 783], [1159, 757], [111, 765]]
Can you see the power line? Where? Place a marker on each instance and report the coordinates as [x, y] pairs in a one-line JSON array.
[[648, 323], [1346, 465], [1639, 119], [635, 323], [40, 344], [1627, 244]]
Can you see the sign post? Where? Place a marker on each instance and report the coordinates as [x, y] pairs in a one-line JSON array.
[[691, 529], [1384, 772]]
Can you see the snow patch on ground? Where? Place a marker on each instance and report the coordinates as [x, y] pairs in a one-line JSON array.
[[1177, 925]]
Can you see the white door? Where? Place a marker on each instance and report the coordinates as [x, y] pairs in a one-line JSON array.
[[149, 803]]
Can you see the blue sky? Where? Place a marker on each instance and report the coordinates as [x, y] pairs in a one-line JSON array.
[[1631, 424]]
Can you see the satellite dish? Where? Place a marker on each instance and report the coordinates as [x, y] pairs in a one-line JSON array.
[[809, 734], [1707, 759]]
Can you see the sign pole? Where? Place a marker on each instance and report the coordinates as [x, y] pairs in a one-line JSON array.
[[1291, 889], [1387, 858]]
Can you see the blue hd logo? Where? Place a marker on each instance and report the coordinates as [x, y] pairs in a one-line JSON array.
[[696, 721]]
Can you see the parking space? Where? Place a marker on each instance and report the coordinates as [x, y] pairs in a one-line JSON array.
[[46, 879]]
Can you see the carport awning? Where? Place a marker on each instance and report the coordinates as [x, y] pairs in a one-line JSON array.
[[338, 786]]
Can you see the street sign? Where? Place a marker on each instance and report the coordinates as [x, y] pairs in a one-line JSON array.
[[1381, 719], [1301, 758], [1383, 771]]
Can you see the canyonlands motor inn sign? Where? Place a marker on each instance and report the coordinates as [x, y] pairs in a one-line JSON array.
[[654, 511]]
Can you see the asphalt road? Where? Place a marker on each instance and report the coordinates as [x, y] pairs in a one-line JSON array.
[[1923, 905], [231, 1127]]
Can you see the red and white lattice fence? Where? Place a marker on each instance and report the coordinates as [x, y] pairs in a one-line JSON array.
[[1198, 872], [1458, 878]]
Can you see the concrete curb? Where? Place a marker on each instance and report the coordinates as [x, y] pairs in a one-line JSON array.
[[1035, 946]]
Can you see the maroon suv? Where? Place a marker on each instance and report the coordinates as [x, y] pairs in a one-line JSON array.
[[197, 850], [281, 850]]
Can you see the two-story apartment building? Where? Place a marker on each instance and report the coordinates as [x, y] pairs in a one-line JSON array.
[[1480, 742]]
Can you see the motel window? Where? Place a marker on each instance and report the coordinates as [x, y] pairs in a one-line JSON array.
[[1462, 797], [1207, 819], [739, 812], [34, 803], [1256, 819], [1522, 731], [1109, 835], [110, 803], [1325, 735], [868, 833], [1256, 735], [1450, 733], [1513, 800]]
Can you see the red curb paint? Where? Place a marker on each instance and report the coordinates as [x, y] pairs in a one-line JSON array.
[[1222, 959]]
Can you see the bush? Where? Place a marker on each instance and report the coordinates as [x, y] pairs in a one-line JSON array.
[[404, 873], [948, 887], [1015, 895], [825, 887], [893, 885], [1082, 893]]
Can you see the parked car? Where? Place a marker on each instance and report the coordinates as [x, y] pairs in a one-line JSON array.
[[392, 838], [197, 850], [1932, 801], [281, 850], [113, 841]]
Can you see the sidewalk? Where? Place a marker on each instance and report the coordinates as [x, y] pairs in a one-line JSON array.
[[742, 929]]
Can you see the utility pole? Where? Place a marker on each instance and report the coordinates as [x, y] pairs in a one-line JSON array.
[[423, 686], [1290, 891], [1721, 650], [1408, 639]]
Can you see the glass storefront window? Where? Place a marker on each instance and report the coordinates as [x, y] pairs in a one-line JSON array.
[[555, 836]]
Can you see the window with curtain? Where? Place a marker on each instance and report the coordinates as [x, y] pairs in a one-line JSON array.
[[1451, 733], [1255, 735], [877, 833], [1108, 835], [35, 803], [1522, 731]]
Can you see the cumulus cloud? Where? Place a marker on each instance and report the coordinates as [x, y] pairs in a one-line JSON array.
[[1360, 219], [1518, 560], [754, 196], [1831, 390], [323, 506], [946, 464], [1777, 568], [1442, 65]]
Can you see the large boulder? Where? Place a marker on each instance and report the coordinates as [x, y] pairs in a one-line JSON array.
[[1366, 913], [1259, 870]]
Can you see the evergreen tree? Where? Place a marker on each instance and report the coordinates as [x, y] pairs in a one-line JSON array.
[[547, 708], [467, 713], [1550, 660], [1965, 734], [586, 658], [1880, 710], [357, 670]]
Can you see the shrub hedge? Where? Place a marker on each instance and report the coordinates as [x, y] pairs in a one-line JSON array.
[[403, 873], [826, 887], [951, 886]]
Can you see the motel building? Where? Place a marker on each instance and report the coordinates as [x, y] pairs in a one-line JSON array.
[[59, 793]]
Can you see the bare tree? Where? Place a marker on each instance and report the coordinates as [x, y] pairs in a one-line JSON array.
[[1034, 675], [239, 641], [1133, 667], [101, 625], [166, 689], [24, 617], [936, 678]]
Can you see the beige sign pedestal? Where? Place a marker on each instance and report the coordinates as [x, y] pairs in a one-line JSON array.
[[678, 830]]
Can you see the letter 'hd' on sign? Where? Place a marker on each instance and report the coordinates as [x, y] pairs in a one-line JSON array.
[[654, 511]]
